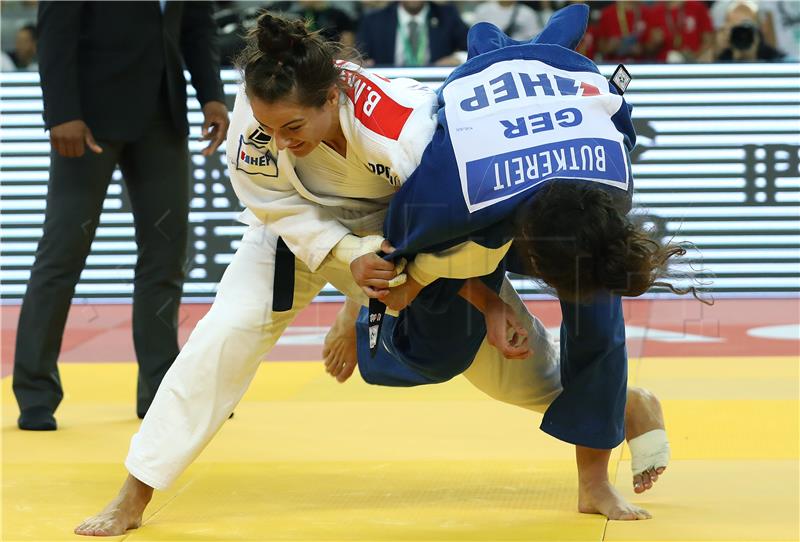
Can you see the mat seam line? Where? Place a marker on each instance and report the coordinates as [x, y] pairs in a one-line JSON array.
[[613, 483], [163, 506]]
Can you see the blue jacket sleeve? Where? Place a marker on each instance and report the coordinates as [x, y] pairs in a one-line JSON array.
[[594, 373]]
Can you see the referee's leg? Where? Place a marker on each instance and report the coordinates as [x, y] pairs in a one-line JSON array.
[[75, 195], [156, 172]]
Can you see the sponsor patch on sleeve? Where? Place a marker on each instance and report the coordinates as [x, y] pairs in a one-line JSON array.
[[374, 108], [253, 159]]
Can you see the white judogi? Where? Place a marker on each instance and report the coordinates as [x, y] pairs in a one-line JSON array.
[[387, 125], [312, 203]]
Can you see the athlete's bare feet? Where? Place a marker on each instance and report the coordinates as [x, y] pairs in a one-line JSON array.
[[647, 439], [603, 498], [339, 350], [123, 513], [596, 495]]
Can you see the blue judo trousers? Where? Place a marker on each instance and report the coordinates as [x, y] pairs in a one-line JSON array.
[[515, 116]]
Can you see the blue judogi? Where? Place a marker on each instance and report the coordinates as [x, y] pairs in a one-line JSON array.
[[514, 117]]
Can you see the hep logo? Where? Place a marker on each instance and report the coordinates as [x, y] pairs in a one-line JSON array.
[[515, 85]]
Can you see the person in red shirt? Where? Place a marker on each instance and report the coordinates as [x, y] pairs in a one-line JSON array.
[[588, 45], [626, 33], [687, 29]]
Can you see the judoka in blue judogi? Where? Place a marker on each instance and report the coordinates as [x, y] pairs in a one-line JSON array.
[[513, 119]]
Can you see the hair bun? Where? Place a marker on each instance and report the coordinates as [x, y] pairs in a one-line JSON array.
[[281, 40]]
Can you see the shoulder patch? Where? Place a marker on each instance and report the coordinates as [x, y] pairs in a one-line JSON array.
[[258, 138], [253, 160], [375, 109]]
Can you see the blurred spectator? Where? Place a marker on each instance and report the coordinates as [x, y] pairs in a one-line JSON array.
[[514, 18], [234, 19], [720, 8], [13, 15], [365, 6], [688, 31], [6, 64], [332, 22], [742, 38], [627, 33], [781, 26], [545, 8], [719, 16], [24, 54], [413, 34], [588, 45]]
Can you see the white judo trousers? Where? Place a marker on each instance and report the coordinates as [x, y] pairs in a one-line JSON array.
[[223, 353]]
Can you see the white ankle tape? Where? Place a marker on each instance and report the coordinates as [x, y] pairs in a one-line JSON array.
[[649, 450]]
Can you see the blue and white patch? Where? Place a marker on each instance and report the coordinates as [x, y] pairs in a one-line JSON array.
[[254, 160], [519, 123]]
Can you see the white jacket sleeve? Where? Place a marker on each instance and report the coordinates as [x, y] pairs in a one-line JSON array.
[[469, 259], [262, 180]]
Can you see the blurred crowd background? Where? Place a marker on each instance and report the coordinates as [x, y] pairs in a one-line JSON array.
[[414, 33]]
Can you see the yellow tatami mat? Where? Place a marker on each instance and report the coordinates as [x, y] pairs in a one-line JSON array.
[[308, 459]]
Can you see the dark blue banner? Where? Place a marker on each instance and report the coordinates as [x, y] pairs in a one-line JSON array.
[[591, 159]]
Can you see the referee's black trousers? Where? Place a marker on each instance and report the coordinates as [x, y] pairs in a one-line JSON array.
[[155, 169]]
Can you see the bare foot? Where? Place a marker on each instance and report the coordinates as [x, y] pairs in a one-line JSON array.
[[123, 513], [647, 439], [603, 498], [339, 350]]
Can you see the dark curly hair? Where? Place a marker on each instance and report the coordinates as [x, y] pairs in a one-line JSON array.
[[282, 59], [574, 237]]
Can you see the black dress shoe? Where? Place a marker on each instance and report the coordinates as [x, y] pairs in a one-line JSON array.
[[37, 419]]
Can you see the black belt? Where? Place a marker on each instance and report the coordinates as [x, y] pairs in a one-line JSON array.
[[283, 283], [376, 314]]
